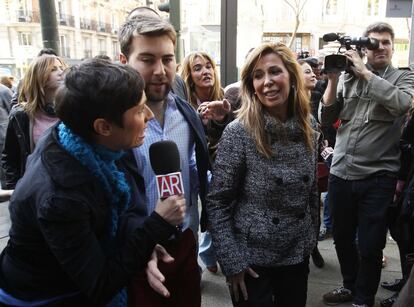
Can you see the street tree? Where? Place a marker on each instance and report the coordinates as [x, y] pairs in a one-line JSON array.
[[297, 7]]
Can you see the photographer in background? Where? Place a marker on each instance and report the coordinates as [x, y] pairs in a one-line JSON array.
[[371, 103]]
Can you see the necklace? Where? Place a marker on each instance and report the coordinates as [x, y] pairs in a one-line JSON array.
[[385, 71]]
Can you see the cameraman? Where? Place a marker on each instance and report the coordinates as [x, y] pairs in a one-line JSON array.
[[370, 103]]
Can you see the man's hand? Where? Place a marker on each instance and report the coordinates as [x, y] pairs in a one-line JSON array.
[[359, 68], [236, 282], [398, 189], [215, 110], [330, 93], [154, 276], [172, 209], [333, 76]]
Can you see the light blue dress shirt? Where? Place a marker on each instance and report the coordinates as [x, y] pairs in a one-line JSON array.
[[177, 130]]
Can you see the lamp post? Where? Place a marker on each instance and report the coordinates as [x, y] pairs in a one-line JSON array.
[[50, 34], [173, 7], [228, 42]]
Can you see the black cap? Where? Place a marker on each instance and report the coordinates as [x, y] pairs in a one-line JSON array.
[[313, 62]]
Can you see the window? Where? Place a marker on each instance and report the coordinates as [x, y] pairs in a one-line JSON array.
[[101, 21], [23, 9], [102, 46], [298, 44], [115, 50], [63, 18], [275, 37], [87, 47], [401, 46], [372, 8], [61, 8], [114, 24], [25, 39], [23, 13], [331, 7], [64, 50]]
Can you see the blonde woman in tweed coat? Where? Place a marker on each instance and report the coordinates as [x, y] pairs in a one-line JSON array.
[[263, 201]]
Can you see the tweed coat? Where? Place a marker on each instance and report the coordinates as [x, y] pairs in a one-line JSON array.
[[263, 211]]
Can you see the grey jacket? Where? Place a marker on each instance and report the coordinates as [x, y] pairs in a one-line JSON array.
[[371, 115], [263, 211]]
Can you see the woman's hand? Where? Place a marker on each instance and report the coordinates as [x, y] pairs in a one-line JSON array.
[[236, 282], [172, 209], [154, 276], [215, 110]]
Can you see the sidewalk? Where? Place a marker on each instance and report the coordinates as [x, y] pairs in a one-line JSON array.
[[214, 290], [321, 281]]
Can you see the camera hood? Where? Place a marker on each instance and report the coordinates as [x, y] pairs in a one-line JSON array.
[[335, 63]]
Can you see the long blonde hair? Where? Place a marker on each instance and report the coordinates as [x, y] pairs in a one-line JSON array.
[[216, 92], [251, 111], [32, 93]]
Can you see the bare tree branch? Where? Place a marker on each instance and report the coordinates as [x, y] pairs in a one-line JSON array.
[[297, 8]]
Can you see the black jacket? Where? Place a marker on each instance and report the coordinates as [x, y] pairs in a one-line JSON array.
[[5, 98], [59, 216], [16, 147]]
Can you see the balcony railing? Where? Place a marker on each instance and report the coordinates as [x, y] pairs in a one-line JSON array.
[[104, 27], [27, 16], [88, 24], [66, 20]]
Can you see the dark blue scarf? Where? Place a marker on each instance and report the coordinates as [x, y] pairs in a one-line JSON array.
[[101, 162]]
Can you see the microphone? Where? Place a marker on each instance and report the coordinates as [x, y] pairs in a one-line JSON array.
[[165, 162], [330, 37]]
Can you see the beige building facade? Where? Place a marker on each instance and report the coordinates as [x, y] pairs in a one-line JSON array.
[[86, 28], [89, 27]]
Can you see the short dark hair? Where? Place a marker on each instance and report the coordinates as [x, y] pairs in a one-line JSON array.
[[49, 51], [146, 26], [97, 89], [102, 57], [379, 27], [142, 10]]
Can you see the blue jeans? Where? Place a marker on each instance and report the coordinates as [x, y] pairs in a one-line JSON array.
[[327, 213], [206, 250], [359, 207]]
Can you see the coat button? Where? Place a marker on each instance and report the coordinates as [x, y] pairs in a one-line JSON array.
[[305, 178], [275, 220]]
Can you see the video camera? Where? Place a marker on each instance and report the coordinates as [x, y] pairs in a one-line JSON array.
[[303, 55], [338, 62]]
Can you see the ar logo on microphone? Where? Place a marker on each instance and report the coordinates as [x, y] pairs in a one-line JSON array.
[[170, 184]]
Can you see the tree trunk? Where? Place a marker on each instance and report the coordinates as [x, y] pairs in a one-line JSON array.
[[295, 30]]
